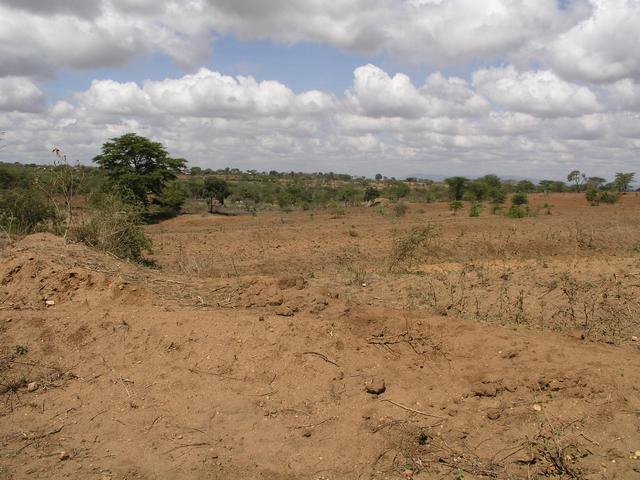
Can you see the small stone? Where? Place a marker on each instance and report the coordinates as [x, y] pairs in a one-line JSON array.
[[637, 454], [485, 390], [376, 387], [261, 318], [537, 408], [408, 473], [32, 386], [634, 339], [494, 414], [452, 412], [49, 303], [306, 434], [284, 311], [64, 455]]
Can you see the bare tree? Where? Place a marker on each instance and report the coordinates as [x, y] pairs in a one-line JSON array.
[[60, 183]]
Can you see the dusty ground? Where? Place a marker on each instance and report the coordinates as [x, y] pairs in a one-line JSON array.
[[507, 349]]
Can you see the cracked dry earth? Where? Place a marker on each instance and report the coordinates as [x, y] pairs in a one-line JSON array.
[[262, 358]]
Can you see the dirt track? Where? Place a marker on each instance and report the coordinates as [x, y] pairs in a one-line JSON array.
[[248, 353]]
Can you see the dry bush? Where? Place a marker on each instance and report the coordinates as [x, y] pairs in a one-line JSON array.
[[413, 247], [606, 309], [113, 226]]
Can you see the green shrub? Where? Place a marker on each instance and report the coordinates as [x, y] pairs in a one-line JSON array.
[[609, 197], [516, 211], [24, 211], [455, 206], [592, 196], [595, 197], [476, 208], [113, 226], [519, 199]]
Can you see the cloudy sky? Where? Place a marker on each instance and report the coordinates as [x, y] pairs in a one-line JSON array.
[[514, 87]]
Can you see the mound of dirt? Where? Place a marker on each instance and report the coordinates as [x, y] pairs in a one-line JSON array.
[[42, 271]]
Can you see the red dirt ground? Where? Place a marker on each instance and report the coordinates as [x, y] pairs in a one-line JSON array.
[[508, 349]]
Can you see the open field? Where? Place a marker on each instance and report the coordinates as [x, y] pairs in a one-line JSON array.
[[508, 348]]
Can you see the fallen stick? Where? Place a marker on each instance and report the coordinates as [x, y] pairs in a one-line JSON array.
[[322, 356], [404, 407]]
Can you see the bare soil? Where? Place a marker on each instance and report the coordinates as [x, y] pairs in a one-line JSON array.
[[294, 346]]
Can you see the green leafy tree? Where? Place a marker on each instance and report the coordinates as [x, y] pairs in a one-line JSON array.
[[577, 178], [138, 165], [623, 181], [378, 176], [172, 197], [595, 183], [457, 186], [551, 186], [525, 186], [215, 190]]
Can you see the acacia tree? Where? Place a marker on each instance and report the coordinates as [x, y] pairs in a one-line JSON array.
[[138, 166], [623, 181], [577, 178], [213, 190], [457, 186]]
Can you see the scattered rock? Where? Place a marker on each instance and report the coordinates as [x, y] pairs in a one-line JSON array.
[[290, 282], [376, 387], [64, 455], [543, 384], [537, 408], [49, 303], [634, 339], [32, 386], [276, 301], [494, 414], [636, 455], [510, 354], [452, 412], [408, 473], [284, 311], [485, 390], [306, 434], [319, 306]]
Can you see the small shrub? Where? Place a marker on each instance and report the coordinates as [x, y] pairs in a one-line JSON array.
[[609, 197], [21, 350], [519, 199], [455, 206], [336, 210], [547, 208], [592, 196], [595, 197], [400, 209], [475, 209], [371, 193], [24, 211], [113, 226], [412, 246], [516, 212]]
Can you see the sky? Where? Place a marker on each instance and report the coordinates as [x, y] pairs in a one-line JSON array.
[[528, 88]]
